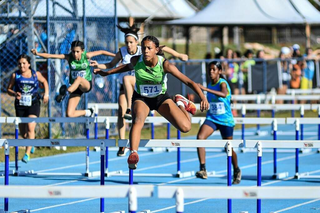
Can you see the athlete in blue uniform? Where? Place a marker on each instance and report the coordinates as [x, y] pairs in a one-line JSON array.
[[219, 117], [23, 85]]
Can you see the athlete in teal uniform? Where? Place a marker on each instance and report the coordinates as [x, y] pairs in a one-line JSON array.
[[219, 117]]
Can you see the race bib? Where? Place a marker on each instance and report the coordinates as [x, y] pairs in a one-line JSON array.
[[26, 100], [75, 74], [217, 108], [150, 90]]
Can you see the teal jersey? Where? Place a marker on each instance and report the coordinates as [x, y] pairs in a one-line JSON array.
[[220, 108], [79, 68], [150, 81]]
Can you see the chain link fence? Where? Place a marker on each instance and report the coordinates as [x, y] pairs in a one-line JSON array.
[[51, 26]]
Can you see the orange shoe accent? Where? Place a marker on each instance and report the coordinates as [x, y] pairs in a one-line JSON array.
[[133, 160], [188, 105]]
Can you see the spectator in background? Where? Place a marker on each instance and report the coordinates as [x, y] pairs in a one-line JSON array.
[[260, 55], [297, 67], [285, 74], [308, 71], [244, 68]]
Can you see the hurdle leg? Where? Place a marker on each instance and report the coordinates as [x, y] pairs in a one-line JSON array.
[[102, 173], [133, 203], [276, 175], [179, 201], [229, 160], [259, 152], [87, 150], [16, 149], [6, 171], [297, 150], [178, 155]]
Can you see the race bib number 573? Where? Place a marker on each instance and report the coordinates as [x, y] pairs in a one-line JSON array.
[[150, 90]]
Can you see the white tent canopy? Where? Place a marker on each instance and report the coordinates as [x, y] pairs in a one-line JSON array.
[[158, 9], [252, 12]]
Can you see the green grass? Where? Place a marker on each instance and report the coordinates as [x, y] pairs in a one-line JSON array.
[[160, 133]]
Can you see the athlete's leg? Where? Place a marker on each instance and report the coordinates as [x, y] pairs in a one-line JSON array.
[[72, 104], [122, 106], [31, 133], [128, 85], [177, 116], [81, 83], [140, 111], [204, 132]]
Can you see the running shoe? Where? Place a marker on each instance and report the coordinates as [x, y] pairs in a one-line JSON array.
[[91, 113], [62, 93], [236, 176], [133, 159], [25, 158], [32, 150], [122, 151], [202, 174], [128, 115], [188, 105]]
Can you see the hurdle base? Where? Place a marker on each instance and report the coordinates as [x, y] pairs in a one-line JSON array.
[[109, 174], [11, 172], [215, 174], [92, 174], [305, 150], [32, 173], [262, 133], [158, 149], [185, 174], [19, 211], [244, 150], [279, 176], [306, 175]]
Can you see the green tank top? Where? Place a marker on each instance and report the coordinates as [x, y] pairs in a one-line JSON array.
[[150, 81], [79, 68]]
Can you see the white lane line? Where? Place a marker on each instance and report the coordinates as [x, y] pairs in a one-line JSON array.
[[64, 204], [296, 206]]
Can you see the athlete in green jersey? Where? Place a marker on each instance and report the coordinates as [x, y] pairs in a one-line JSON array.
[[150, 93], [80, 76]]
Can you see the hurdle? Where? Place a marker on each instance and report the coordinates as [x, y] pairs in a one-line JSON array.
[[274, 122], [259, 145], [17, 120], [228, 144], [56, 142], [272, 107], [113, 119], [57, 192], [298, 122], [199, 192]]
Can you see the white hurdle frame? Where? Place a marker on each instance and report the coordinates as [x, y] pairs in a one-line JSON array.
[[58, 192], [18, 120], [260, 144], [199, 192], [228, 144], [298, 122], [56, 142]]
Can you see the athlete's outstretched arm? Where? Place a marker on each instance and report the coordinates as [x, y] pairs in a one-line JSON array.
[[46, 55], [223, 93], [176, 54], [99, 52], [113, 63], [170, 68]]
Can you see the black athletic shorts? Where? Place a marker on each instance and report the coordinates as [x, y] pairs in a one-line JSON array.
[[153, 103], [25, 111], [79, 92]]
